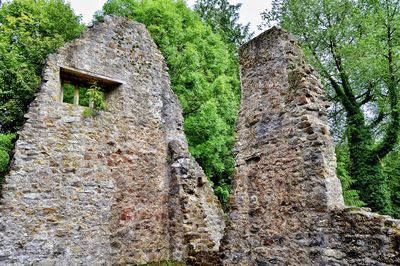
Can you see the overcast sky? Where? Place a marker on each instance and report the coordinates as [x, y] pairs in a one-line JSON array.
[[250, 11]]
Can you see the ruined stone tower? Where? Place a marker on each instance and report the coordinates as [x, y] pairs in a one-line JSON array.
[[286, 205], [114, 187], [285, 179]]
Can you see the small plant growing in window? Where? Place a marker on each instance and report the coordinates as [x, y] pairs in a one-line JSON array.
[[96, 100], [96, 97]]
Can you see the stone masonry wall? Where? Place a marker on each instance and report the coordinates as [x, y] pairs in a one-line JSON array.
[[355, 236], [120, 187], [115, 188], [286, 205]]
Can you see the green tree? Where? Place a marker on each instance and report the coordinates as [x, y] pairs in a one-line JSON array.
[[355, 47], [204, 74], [29, 31], [223, 19]]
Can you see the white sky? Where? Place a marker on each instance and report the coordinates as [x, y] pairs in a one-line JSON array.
[[250, 11]]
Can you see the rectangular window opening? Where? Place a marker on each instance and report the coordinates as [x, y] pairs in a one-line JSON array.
[[76, 83]]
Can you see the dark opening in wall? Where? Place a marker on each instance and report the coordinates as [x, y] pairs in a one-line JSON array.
[[76, 83]]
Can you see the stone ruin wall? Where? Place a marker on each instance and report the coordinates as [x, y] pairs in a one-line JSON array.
[[116, 188], [287, 206], [121, 188]]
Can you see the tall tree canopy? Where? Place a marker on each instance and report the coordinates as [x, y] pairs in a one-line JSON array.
[[223, 19], [29, 31], [204, 74], [355, 46]]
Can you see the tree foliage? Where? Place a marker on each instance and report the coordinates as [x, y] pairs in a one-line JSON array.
[[29, 31], [355, 45], [6, 147], [351, 196], [223, 19], [204, 74], [391, 168]]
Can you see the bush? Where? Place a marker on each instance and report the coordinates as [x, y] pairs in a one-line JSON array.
[[6, 147]]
